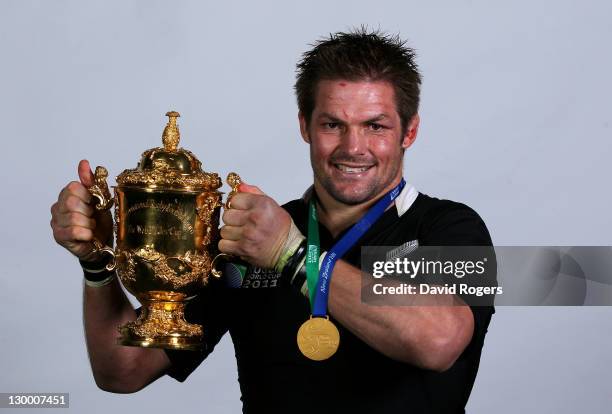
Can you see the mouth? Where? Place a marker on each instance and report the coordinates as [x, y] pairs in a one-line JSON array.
[[353, 169]]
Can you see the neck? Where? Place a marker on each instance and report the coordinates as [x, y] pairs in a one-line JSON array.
[[337, 216]]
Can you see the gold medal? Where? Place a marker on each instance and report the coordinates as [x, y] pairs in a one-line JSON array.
[[318, 338]]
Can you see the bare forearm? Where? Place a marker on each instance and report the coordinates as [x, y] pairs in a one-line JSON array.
[[75, 224], [104, 309], [116, 368], [431, 336]]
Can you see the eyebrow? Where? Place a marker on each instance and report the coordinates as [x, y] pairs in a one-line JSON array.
[[329, 116]]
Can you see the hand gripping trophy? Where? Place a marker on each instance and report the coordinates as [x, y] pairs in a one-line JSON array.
[[166, 227]]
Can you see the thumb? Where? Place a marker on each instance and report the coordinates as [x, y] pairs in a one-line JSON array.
[[85, 174], [246, 188]]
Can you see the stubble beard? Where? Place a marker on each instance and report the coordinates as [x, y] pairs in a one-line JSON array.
[[372, 189]]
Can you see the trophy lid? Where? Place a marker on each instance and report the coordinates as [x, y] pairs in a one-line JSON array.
[[170, 167]]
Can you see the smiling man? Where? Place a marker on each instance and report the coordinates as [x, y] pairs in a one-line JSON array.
[[358, 97]]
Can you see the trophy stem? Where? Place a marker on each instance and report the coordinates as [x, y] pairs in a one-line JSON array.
[[162, 324]]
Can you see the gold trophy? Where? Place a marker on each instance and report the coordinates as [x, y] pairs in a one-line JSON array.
[[166, 227]]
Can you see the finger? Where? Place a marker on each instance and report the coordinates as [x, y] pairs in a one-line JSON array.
[[78, 189], [243, 201], [54, 209], [230, 247], [247, 188], [73, 233], [85, 174], [75, 219], [73, 203], [233, 217], [231, 233]]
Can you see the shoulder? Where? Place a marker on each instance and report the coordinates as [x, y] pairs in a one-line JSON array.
[[295, 207], [294, 204], [448, 222], [434, 209]]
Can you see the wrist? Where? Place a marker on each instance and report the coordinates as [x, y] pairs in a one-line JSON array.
[[294, 240], [94, 262], [99, 283], [96, 273], [296, 275], [295, 264]]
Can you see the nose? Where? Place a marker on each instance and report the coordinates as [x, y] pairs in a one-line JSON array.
[[353, 142]]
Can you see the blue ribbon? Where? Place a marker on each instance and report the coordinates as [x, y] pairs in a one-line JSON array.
[[345, 243]]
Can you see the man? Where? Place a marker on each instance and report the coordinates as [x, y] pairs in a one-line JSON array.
[[358, 96]]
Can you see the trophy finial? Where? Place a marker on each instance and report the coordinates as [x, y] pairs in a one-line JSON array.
[[171, 135]]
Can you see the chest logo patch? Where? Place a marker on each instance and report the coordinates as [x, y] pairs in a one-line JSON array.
[[403, 250]]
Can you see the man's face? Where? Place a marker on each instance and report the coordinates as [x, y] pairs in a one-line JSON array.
[[356, 141]]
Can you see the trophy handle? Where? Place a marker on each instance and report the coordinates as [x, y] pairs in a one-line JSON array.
[[234, 181], [103, 201], [213, 270], [99, 247], [100, 191]]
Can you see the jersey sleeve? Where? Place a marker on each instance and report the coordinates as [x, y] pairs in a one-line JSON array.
[[456, 225], [206, 310], [459, 225]]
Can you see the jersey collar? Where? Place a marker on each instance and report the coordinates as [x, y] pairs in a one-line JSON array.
[[402, 203], [405, 199]]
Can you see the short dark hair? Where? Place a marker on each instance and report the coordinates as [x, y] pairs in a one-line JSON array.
[[360, 55]]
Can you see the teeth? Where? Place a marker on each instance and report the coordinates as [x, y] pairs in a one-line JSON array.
[[347, 169]]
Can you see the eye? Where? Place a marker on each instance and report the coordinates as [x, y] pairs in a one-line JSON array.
[[376, 127], [331, 125]]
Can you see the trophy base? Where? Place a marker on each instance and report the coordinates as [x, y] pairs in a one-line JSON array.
[[162, 324]]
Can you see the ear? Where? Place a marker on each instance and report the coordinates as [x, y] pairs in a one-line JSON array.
[[411, 131], [303, 128]]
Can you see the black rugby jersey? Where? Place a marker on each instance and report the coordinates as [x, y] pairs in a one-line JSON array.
[[263, 318]]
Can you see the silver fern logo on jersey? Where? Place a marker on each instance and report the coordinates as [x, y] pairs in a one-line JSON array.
[[403, 250]]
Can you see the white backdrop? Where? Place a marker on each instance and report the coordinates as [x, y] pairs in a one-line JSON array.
[[515, 123]]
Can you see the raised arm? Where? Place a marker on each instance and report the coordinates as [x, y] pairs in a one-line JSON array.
[[115, 368]]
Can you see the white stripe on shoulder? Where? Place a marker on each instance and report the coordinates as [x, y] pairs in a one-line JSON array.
[[405, 199]]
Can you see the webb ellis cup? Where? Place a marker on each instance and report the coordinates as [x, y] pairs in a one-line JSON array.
[[166, 227]]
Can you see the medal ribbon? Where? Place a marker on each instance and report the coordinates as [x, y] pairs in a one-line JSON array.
[[319, 294], [314, 251]]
